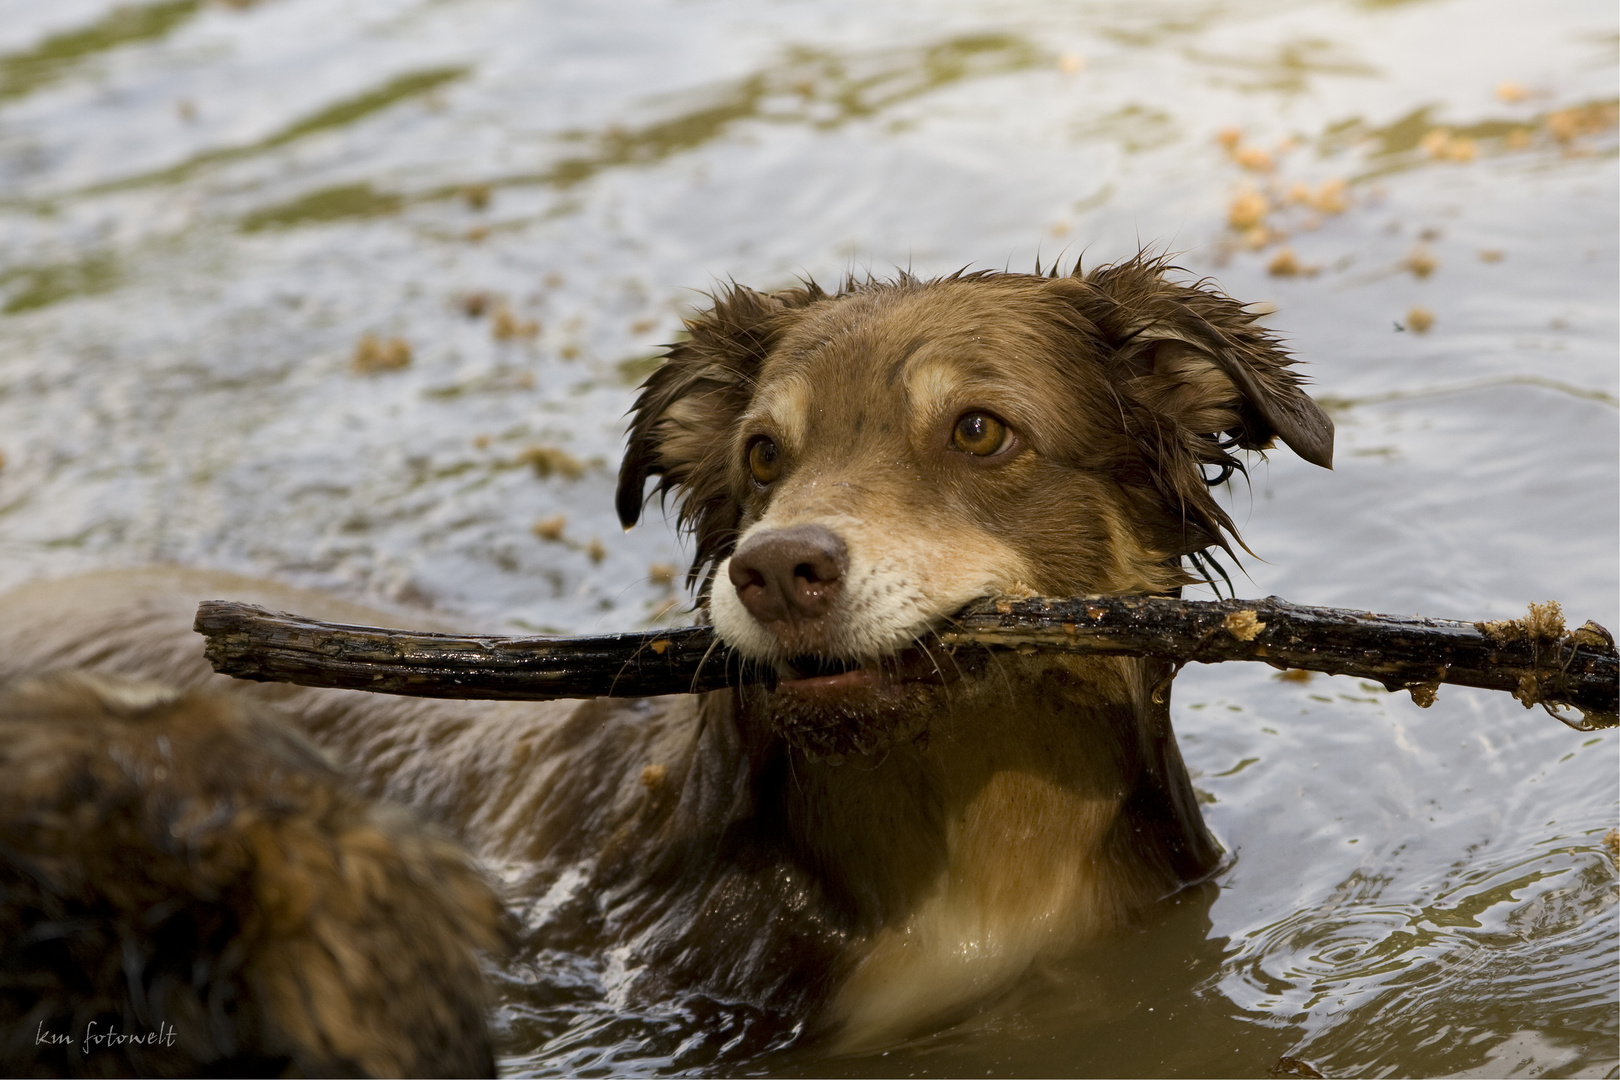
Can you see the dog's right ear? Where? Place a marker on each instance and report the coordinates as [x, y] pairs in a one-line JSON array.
[[680, 428]]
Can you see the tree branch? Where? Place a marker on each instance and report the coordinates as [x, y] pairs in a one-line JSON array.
[[1535, 658]]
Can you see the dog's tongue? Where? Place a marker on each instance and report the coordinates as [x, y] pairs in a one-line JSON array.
[[818, 676], [860, 678]]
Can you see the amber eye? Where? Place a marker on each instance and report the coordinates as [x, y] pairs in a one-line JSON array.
[[979, 434], [764, 460]]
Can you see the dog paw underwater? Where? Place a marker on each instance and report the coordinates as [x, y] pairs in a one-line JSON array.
[[881, 839]]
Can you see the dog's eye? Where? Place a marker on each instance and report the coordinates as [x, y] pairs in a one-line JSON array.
[[764, 460], [979, 434]]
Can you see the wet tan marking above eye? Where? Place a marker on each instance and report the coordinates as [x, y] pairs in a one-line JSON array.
[[787, 410], [934, 387]]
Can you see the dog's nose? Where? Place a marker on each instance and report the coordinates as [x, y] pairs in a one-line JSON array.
[[784, 575]]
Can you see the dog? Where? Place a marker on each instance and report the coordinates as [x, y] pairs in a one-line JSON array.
[[886, 834], [188, 887]]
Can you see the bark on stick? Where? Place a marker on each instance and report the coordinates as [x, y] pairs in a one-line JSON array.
[[1534, 658]]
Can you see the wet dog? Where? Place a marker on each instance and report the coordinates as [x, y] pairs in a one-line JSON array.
[[886, 835]]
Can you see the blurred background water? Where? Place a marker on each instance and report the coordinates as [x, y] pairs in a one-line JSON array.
[[354, 295]]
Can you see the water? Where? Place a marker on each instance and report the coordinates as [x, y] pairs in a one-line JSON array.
[[205, 207]]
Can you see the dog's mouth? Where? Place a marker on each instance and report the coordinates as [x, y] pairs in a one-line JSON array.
[[818, 676], [834, 707]]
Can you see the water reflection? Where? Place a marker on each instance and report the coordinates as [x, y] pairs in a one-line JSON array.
[[59, 55], [1140, 1005]]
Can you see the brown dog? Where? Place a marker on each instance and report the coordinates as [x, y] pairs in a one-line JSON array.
[[883, 837], [856, 468]]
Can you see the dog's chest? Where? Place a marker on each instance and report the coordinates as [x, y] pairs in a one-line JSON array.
[[1020, 881]]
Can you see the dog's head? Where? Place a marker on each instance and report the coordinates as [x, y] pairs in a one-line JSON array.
[[854, 467]]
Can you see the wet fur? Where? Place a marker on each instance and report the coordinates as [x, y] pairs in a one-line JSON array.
[[1025, 808], [188, 866]]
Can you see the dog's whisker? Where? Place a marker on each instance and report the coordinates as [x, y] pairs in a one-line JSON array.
[[725, 661], [933, 662]]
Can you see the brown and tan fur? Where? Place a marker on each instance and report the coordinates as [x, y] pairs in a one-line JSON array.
[[871, 862], [185, 866]]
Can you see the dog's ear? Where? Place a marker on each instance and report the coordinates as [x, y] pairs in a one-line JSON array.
[[680, 427], [1193, 378], [1196, 356]]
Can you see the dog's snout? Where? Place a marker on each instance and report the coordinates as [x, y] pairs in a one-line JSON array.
[[785, 575]]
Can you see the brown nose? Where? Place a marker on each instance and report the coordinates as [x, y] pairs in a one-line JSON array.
[[787, 575]]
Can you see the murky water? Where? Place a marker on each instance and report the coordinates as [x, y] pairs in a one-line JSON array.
[[205, 208]]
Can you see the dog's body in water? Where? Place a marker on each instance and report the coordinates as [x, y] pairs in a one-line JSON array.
[[880, 838]]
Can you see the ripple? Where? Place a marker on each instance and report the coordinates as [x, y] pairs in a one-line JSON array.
[[1511, 944]]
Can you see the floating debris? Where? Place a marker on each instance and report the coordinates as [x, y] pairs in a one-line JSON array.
[[1490, 255], [662, 574], [1419, 320], [1442, 144], [1247, 210], [1421, 262], [1332, 197], [1259, 236], [475, 305], [1566, 125], [1511, 92], [1286, 264], [1071, 63], [374, 354], [476, 196], [506, 326], [551, 528], [595, 550], [550, 461], [1254, 158]]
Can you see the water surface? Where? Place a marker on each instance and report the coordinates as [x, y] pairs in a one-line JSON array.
[[206, 208]]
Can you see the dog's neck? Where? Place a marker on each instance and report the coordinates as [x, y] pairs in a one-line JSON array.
[[1045, 753], [1040, 809]]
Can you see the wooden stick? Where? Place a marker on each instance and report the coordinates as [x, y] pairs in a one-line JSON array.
[[1533, 658]]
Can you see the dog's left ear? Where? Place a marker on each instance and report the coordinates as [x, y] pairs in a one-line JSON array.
[[680, 428], [1195, 355]]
